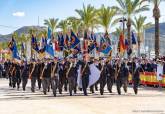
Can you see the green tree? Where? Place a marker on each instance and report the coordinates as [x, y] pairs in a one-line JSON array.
[[52, 23], [75, 24], [140, 24], [88, 17], [105, 17], [156, 15], [63, 25], [129, 8]]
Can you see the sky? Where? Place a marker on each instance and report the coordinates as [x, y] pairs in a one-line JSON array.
[[17, 13]]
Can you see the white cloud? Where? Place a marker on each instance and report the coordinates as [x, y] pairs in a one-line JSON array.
[[19, 14]]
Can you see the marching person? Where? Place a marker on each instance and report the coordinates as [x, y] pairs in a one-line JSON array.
[[54, 76], [25, 74], [85, 72], [71, 75], [103, 77], [33, 75], [110, 71], [46, 76], [122, 78], [136, 75]]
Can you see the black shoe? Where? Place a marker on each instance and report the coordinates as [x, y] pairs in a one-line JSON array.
[[44, 92]]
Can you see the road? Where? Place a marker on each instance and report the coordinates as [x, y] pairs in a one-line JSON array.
[[148, 101]]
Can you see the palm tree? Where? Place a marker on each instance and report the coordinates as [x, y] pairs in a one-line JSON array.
[[63, 25], [16, 37], [129, 8], [156, 15], [52, 23], [88, 16], [3, 45], [105, 16], [74, 24], [139, 25]]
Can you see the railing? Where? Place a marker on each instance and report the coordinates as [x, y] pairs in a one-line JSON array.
[[149, 78]]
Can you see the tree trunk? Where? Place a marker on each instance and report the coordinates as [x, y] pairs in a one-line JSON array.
[[157, 37], [139, 45], [129, 31], [156, 15], [129, 34]]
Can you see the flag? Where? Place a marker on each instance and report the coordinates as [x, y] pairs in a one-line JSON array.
[[49, 33], [91, 46], [66, 41], [93, 37], [49, 46], [74, 40], [22, 49], [49, 50], [34, 44], [104, 46], [126, 44], [13, 47], [122, 44], [61, 42], [56, 45], [43, 43], [133, 39]]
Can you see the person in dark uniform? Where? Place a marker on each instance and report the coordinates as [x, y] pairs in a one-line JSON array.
[[34, 74], [85, 72], [8, 68], [110, 70], [62, 77], [122, 78], [40, 67], [16, 75], [54, 76], [71, 75], [1, 70], [103, 77], [136, 76], [65, 80], [25, 74], [46, 76]]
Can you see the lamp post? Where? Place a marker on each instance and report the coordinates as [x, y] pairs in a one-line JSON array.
[[123, 20]]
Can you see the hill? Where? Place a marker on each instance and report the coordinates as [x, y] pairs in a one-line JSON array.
[[21, 30]]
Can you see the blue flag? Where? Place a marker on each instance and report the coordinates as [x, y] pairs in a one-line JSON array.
[[49, 33], [105, 48], [74, 40], [13, 48], [49, 46], [34, 43], [61, 41], [133, 38], [43, 43]]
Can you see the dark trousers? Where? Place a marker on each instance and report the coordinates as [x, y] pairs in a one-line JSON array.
[[45, 84], [102, 84], [39, 82], [122, 81], [72, 84], [24, 82], [85, 82], [33, 83], [16, 80], [54, 85], [110, 81], [136, 84]]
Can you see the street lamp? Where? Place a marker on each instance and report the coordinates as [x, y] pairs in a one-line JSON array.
[[123, 20]]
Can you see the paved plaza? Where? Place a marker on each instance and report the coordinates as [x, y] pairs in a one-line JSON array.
[[148, 101]]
